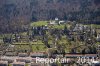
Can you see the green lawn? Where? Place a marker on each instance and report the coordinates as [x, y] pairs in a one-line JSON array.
[[98, 43], [39, 23], [37, 48], [94, 25], [59, 26]]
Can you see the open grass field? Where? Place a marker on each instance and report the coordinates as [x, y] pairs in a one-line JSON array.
[[36, 48], [39, 23], [43, 23], [94, 26]]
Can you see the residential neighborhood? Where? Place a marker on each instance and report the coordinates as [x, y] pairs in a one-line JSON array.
[[72, 43]]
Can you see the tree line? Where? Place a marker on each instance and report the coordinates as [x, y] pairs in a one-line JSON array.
[[18, 13]]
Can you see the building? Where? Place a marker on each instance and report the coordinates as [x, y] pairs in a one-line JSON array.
[[23, 55], [37, 64], [80, 55], [56, 19], [9, 53], [38, 54], [95, 63], [52, 23], [98, 37], [8, 59], [78, 27], [91, 55], [73, 55], [62, 22], [24, 59], [98, 50], [1, 40], [18, 64], [3, 63]]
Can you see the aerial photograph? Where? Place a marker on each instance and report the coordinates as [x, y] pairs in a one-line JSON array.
[[49, 32]]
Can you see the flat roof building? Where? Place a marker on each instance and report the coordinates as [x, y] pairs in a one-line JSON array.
[[18, 64], [3, 63], [23, 55], [38, 54], [24, 59], [80, 55], [37, 64]]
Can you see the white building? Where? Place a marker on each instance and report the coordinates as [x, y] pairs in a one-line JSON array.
[[56, 19], [98, 37], [61, 22], [52, 22], [95, 63]]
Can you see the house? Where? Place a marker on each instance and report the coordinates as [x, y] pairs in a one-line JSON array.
[[73, 55], [38, 54], [9, 53], [37, 64], [95, 63], [1, 40], [61, 22], [52, 22], [98, 50], [3, 63], [23, 55], [24, 59], [98, 38], [80, 55], [1, 52], [8, 59], [91, 55], [18, 64], [56, 21]]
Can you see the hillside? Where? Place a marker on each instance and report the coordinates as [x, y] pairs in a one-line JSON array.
[[15, 13]]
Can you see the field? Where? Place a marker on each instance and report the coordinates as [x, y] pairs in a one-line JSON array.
[[43, 23], [39, 23], [94, 26]]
